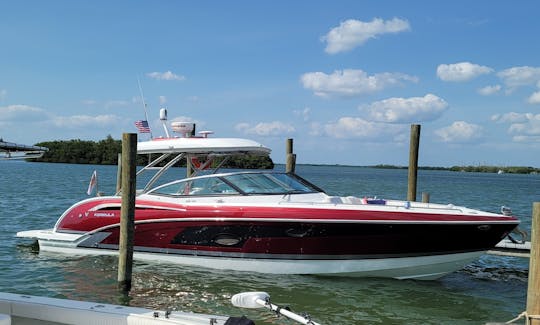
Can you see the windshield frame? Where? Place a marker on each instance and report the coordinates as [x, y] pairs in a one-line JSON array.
[[239, 183]]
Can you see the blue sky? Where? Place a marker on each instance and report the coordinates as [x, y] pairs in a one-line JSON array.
[[344, 79]]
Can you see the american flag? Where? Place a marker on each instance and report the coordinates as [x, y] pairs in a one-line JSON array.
[[142, 126]]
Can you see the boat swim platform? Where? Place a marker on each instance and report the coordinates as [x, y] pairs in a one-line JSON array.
[[506, 247]]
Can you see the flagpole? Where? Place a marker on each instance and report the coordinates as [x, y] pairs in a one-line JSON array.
[[144, 105]]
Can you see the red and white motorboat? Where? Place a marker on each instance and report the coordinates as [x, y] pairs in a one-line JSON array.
[[272, 222]]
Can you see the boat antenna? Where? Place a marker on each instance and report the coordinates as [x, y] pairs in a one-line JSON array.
[[144, 105]]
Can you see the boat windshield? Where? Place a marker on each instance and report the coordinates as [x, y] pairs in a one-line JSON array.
[[269, 183], [235, 184]]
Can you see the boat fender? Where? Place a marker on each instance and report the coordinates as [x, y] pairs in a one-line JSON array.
[[407, 205], [239, 321]]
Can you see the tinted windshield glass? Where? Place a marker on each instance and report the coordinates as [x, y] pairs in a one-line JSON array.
[[268, 183], [196, 186]]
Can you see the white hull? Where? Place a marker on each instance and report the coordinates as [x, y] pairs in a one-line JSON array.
[[420, 267], [24, 309]]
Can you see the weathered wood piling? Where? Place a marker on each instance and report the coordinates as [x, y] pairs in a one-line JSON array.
[[413, 161], [290, 162], [127, 212], [533, 289]]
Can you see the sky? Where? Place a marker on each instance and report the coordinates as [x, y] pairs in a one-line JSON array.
[[344, 79]]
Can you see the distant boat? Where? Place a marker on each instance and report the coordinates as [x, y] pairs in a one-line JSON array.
[[500, 171], [11, 150]]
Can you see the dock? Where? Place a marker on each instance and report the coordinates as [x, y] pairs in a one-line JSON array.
[[507, 247], [23, 151]]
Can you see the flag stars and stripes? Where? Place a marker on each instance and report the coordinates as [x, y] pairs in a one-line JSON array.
[[142, 126]]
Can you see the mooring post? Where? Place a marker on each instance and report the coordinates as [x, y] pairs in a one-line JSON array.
[[533, 289], [127, 212], [119, 174], [290, 163], [413, 161], [425, 197]]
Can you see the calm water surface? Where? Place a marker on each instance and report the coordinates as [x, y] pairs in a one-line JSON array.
[[33, 195]]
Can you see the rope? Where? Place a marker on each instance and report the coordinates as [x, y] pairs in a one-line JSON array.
[[527, 318]]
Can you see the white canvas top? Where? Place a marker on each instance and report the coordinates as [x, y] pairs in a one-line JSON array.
[[201, 145]]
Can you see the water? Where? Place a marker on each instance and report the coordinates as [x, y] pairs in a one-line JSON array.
[[33, 195]]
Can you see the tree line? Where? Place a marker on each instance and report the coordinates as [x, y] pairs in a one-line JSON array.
[[105, 152], [476, 169]]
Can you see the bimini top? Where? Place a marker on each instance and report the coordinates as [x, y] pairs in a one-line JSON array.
[[202, 145]]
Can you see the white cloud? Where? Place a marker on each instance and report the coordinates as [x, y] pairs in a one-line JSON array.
[[352, 33], [525, 127], [22, 113], [526, 138], [489, 90], [168, 75], [460, 132], [462, 71], [266, 128], [355, 127], [117, 103], [350, 82], [534, 98], [86, 121], [512, 117], [303, 113], [520, 76], [406, 110], [528, 127]]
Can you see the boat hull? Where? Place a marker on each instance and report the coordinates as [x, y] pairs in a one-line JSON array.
[[418, 251], [419, 267]]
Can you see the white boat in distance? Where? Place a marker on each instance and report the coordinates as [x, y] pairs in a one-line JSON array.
[[272, 222]]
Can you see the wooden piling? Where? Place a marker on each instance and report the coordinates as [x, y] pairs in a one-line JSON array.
[[127, 212], [425, 197], [119, 174], [290, 162], [533, 290], [413, 161]]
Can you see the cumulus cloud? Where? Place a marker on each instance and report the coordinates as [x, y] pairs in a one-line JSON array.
[[353, 33], [167, 75], [355, 127], [512, 117], [529, 126], [460, 132], [489, 90], [462, 71], [520, 76], [80, 121], [22, 113], [266, 128], [351, 82], [407, 110], [534, 98]]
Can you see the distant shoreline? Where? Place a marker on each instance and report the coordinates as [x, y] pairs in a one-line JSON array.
[[470, 169]]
